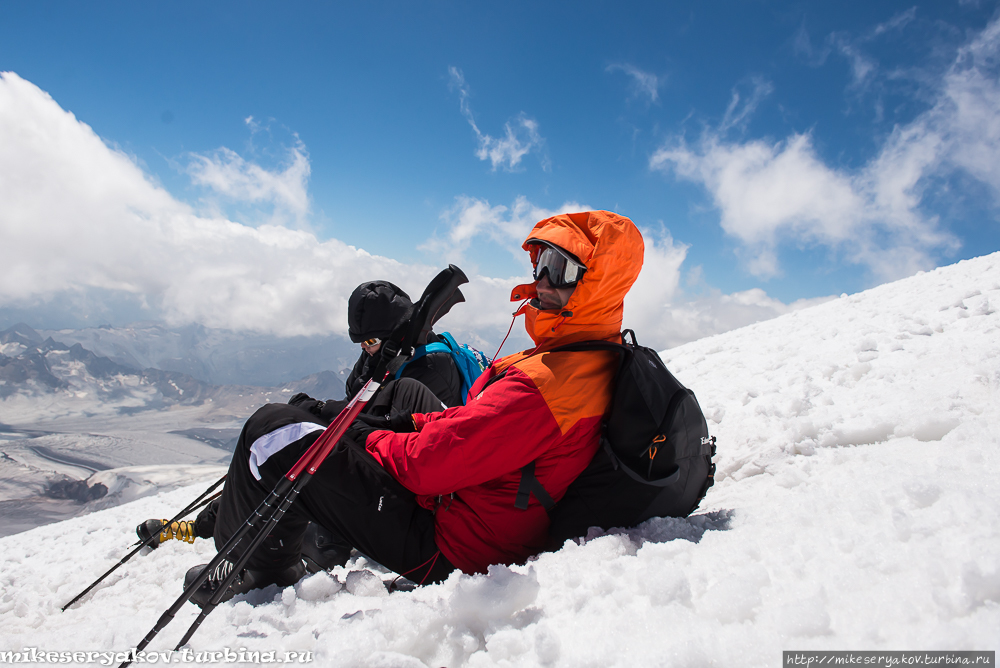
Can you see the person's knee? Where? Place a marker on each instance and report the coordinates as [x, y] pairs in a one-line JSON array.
[[275, 436]]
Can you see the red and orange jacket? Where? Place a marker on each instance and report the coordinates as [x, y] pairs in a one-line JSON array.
[[465, 463]]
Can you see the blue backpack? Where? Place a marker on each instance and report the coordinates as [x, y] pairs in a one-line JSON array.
[[471, 363]]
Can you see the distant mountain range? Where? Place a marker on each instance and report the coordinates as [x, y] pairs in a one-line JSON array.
[[31, 365], [218, 357], [69, 413]]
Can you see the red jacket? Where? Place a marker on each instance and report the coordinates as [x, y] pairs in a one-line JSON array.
[[465, 463]]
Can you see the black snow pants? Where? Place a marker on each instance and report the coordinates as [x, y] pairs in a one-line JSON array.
[[351, 494]]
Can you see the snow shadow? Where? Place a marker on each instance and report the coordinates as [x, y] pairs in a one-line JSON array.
[[665, 529]]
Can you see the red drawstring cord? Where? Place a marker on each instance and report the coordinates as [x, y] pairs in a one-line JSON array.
[[431, 567], [433, 562], [562, 319], [509, 330]]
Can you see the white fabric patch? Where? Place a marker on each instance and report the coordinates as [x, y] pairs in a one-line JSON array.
[[269, 444]]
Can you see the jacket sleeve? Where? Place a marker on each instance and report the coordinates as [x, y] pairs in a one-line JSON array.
[[358, 375], [506, 427]]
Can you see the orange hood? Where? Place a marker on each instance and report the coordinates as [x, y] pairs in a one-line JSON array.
[[611, 248]]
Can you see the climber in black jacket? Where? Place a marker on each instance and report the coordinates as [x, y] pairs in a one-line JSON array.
[[374, 311]]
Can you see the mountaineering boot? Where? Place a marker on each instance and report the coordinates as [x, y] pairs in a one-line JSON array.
[[167, 530], [247, 579], [322, 550]]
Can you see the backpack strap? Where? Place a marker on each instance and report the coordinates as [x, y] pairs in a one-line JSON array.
[[468, 361], [420, 351], [530, 484], [463, 373], [624, 350]]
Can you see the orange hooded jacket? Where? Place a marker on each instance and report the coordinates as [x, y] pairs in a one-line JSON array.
[[465, 462]]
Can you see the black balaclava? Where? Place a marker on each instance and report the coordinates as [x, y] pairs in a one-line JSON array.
[[375, 309]]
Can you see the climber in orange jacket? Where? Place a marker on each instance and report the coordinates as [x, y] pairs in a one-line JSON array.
[[441, 489]]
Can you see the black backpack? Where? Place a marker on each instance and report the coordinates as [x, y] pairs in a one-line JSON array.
[[655, 458]]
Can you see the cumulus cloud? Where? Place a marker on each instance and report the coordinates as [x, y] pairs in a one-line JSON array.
[[653, 295], [657, 306], [967, 117], [766, 190], [664, 313], [772, 192], [521, 135], [714, 312], [228, 174], [472, 218], [80, 218], [82, 224], [643, 84]]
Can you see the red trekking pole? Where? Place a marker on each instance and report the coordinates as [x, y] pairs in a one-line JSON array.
[[437, 299], [264, 517]]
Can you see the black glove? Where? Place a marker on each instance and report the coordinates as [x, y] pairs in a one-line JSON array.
[[307, 403], [402, 423], [324, 410]]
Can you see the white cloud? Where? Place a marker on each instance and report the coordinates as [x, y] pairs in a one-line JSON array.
[[774, 192], [228, 174], [968, 114], [897, 22], [521, 135], [644, 84], [851, 47], [82, 224], [472, 219], [651, 299], [862, 66], [715, 313], [664, 314], [657, 307], [738, 114], [766, 191], [803, 46], [81, 218]]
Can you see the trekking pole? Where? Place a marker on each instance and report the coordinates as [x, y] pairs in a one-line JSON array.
[[300, 475], [267, 513], [194, 505], [439, 296]]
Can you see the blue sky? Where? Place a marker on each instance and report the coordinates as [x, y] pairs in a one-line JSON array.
[[771, 152]]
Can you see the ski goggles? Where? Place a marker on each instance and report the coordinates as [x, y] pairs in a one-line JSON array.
[[562, 271], [371, 343]]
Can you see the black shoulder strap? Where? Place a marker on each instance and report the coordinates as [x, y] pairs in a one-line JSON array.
[[624, 349], [529, 484]]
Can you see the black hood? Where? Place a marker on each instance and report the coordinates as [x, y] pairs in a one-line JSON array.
[[375, 309]]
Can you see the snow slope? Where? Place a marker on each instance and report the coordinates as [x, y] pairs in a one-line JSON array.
[[855, 508]]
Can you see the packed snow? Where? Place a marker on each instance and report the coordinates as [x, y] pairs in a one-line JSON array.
[[855, 508]]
